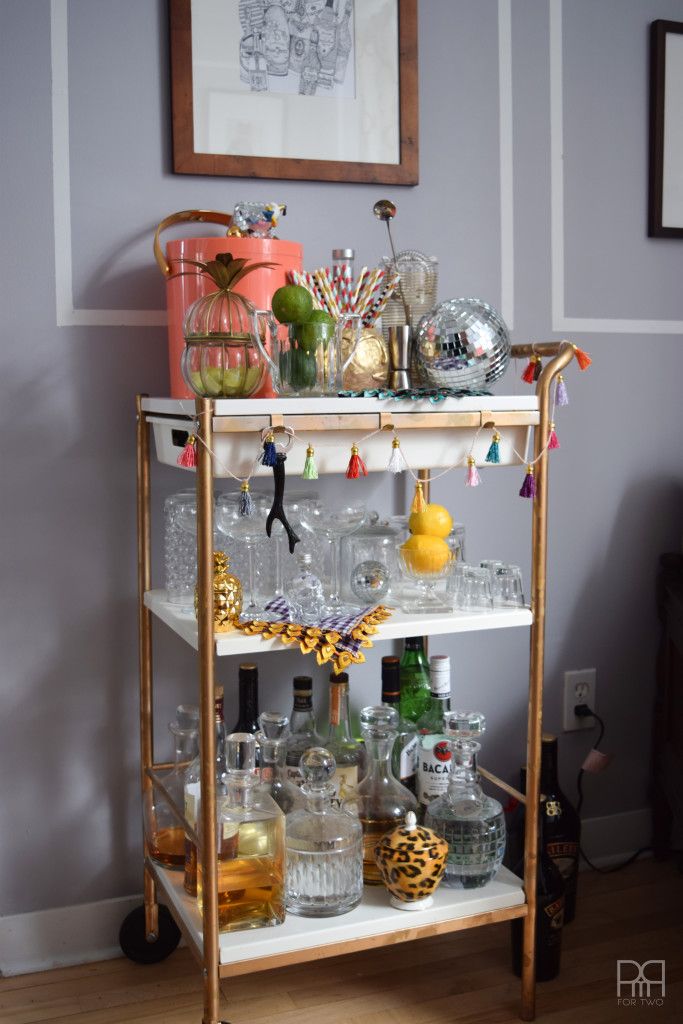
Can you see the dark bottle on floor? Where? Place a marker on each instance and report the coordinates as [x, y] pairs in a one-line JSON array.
[[549, 916], [561, 825], [247, 720]]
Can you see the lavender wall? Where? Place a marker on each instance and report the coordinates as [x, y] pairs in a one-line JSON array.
[[69, 816]]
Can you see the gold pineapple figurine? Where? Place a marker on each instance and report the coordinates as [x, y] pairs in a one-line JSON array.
[[227, 595]]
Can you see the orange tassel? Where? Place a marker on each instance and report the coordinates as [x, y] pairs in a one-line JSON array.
[[419, 504], [356, 466], [582, 358]]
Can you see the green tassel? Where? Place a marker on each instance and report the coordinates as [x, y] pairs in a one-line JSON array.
[[310, 469], [493, 454]]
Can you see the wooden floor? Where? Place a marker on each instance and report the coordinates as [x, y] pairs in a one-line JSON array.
[[636, 914]]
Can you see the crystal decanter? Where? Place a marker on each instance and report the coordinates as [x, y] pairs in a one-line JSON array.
[[305, 593], [324, 846], [164, 833], [272, 741], [472, 823]]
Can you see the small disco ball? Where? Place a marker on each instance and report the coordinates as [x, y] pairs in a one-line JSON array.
[[370, 580], [462, 343]]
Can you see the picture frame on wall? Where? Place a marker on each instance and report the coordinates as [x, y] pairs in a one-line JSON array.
[[319, 90], [665, 208]]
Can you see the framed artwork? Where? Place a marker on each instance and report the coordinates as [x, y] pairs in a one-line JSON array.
[[665, 212], [320, 90]]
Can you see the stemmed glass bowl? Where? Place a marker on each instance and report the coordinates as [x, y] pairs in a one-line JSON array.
[[333, 522], [426, 599], [248, 530]]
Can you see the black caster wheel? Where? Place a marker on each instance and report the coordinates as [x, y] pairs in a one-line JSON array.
[[133, 937]]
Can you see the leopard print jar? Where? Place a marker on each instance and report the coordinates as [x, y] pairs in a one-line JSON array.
[[411, 860]]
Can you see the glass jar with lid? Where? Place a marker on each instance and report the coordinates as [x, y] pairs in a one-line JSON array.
[[376, 542]]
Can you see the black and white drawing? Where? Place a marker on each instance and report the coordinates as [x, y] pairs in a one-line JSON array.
[[298, 46]]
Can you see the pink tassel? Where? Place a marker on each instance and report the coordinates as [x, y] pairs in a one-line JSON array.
[[473, 478], [528, 488], [552, 439], [188, 456]]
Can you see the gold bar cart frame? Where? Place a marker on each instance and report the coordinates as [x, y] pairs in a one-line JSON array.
[[560, 355]]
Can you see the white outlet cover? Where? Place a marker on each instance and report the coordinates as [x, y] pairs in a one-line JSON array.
[[578, 681]]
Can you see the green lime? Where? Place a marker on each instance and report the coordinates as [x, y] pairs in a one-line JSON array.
[[321, 316], [292, 304], [314, 334]]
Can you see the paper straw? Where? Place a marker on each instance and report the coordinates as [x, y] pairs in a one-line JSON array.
[[356, 291]]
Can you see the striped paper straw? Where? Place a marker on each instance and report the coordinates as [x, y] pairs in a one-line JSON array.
[[356, 291]]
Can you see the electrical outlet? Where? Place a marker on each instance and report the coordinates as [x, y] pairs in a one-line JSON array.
[[579, 688]]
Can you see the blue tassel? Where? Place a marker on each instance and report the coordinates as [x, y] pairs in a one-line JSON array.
[[269, 453], [246, 501], [493, 454]]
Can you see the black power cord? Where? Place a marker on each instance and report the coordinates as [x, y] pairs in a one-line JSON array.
[[584, 711]]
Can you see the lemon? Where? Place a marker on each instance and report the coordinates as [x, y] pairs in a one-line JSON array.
[[426, 555], [292, 304], [434, 520]]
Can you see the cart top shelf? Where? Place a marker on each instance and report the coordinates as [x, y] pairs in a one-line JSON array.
[[338, 406]]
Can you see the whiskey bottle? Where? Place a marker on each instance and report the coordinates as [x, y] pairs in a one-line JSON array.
[[192, 792], [348, 752], [250, 837], [164, 833], [247, 719], [381, 801], [404, 754], [414, 676], [272, 743], [324, 847], [303, 732], [561, 825], [434, 749]]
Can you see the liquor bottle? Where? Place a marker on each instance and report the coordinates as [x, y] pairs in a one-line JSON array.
[[250, 839], [404, 754], [272, 741], [381, 801], [247, 720], [561, 825], [434, 749], [310, 68], [165, 835], [472, 823], [415, 690], [303, 733], [324, 847], [344, 44], [192, 792], [549, 915], [348, 753]]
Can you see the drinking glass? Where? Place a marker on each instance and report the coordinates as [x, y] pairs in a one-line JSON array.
[[472, 591], [425, 598], [246, 530], [180, 551], [333, 523], [506, 587]]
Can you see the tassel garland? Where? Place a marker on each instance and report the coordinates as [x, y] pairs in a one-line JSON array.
[[397, 462], [493, 454], [552, 439], [356, 466], [528, 488], [269, 453], [530, 373], [246, 500], [419, 504], [582, 358], [310, 469], [473, 478], [561, 394], [188, 456]]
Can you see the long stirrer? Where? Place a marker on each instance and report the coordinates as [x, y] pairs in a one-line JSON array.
[[385, 210]]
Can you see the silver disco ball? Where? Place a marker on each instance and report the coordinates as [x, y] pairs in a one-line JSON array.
[[462, 343]]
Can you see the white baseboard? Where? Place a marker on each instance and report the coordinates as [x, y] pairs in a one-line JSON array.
[[89, 931]]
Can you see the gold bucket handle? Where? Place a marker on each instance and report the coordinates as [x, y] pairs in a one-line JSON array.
[[183, 217]]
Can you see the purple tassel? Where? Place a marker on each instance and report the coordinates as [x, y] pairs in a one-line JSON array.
[[268, 458], [528, 488], [561, 396]]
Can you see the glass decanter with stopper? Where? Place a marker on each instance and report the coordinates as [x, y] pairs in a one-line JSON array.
[[305, 593], [250, 838], [381, 801], [472, 823], [324, 846], [192, 791], [303, 732], [164, 833], [272, 741]]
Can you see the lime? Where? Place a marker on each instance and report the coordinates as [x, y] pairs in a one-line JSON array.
[[321, 316], [315, 333], [292, 304]]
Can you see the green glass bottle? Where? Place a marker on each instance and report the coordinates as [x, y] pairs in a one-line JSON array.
[[414, 676]]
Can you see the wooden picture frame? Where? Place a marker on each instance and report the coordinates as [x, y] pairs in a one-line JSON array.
[[665, 206], [394, 88]]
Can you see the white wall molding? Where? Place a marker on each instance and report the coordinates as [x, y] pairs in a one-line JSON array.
[[507, 225], [561, 322]]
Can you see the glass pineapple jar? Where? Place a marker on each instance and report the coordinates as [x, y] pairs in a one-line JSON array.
[[164, 834], [250, 838], [472, 823], [381, 801], [324, 846], [272, 740]]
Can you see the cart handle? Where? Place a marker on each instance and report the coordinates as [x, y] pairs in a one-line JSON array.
[[183, 217]]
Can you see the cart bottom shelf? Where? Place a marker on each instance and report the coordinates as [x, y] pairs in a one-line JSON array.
[[373, 923]]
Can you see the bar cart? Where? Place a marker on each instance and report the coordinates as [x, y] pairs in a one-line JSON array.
[[152, 932]]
